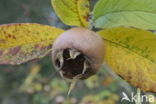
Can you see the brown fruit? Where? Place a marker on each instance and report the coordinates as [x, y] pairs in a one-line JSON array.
[[78, 52]]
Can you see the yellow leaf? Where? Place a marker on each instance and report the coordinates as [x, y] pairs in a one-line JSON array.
[[72, 12], [23, 42], [131, 53]]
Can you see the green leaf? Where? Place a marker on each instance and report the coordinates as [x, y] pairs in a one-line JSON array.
[[131, 53], [136, 13], [20, 43], [72, 12]]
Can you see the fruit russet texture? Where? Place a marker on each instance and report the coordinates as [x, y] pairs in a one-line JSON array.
[[78, 52]]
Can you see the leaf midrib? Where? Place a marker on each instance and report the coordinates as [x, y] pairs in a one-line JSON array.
[[24, 44], [117, 12], [128, 49]]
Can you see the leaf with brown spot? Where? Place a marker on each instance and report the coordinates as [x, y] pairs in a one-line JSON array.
[[131, 53], [23, 42]]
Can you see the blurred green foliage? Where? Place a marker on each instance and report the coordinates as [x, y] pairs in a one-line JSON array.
[[31, 83]]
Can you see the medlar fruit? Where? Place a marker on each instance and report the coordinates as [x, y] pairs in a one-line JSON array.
[[78, 52]]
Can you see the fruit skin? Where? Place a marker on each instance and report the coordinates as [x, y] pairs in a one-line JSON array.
[[84, 41]]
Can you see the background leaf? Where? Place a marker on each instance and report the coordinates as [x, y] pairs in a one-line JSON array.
[[20, 43], [131, 53], [136, 13], [72, 12]]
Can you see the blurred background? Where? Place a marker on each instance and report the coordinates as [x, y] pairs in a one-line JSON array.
[[29, 83]]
